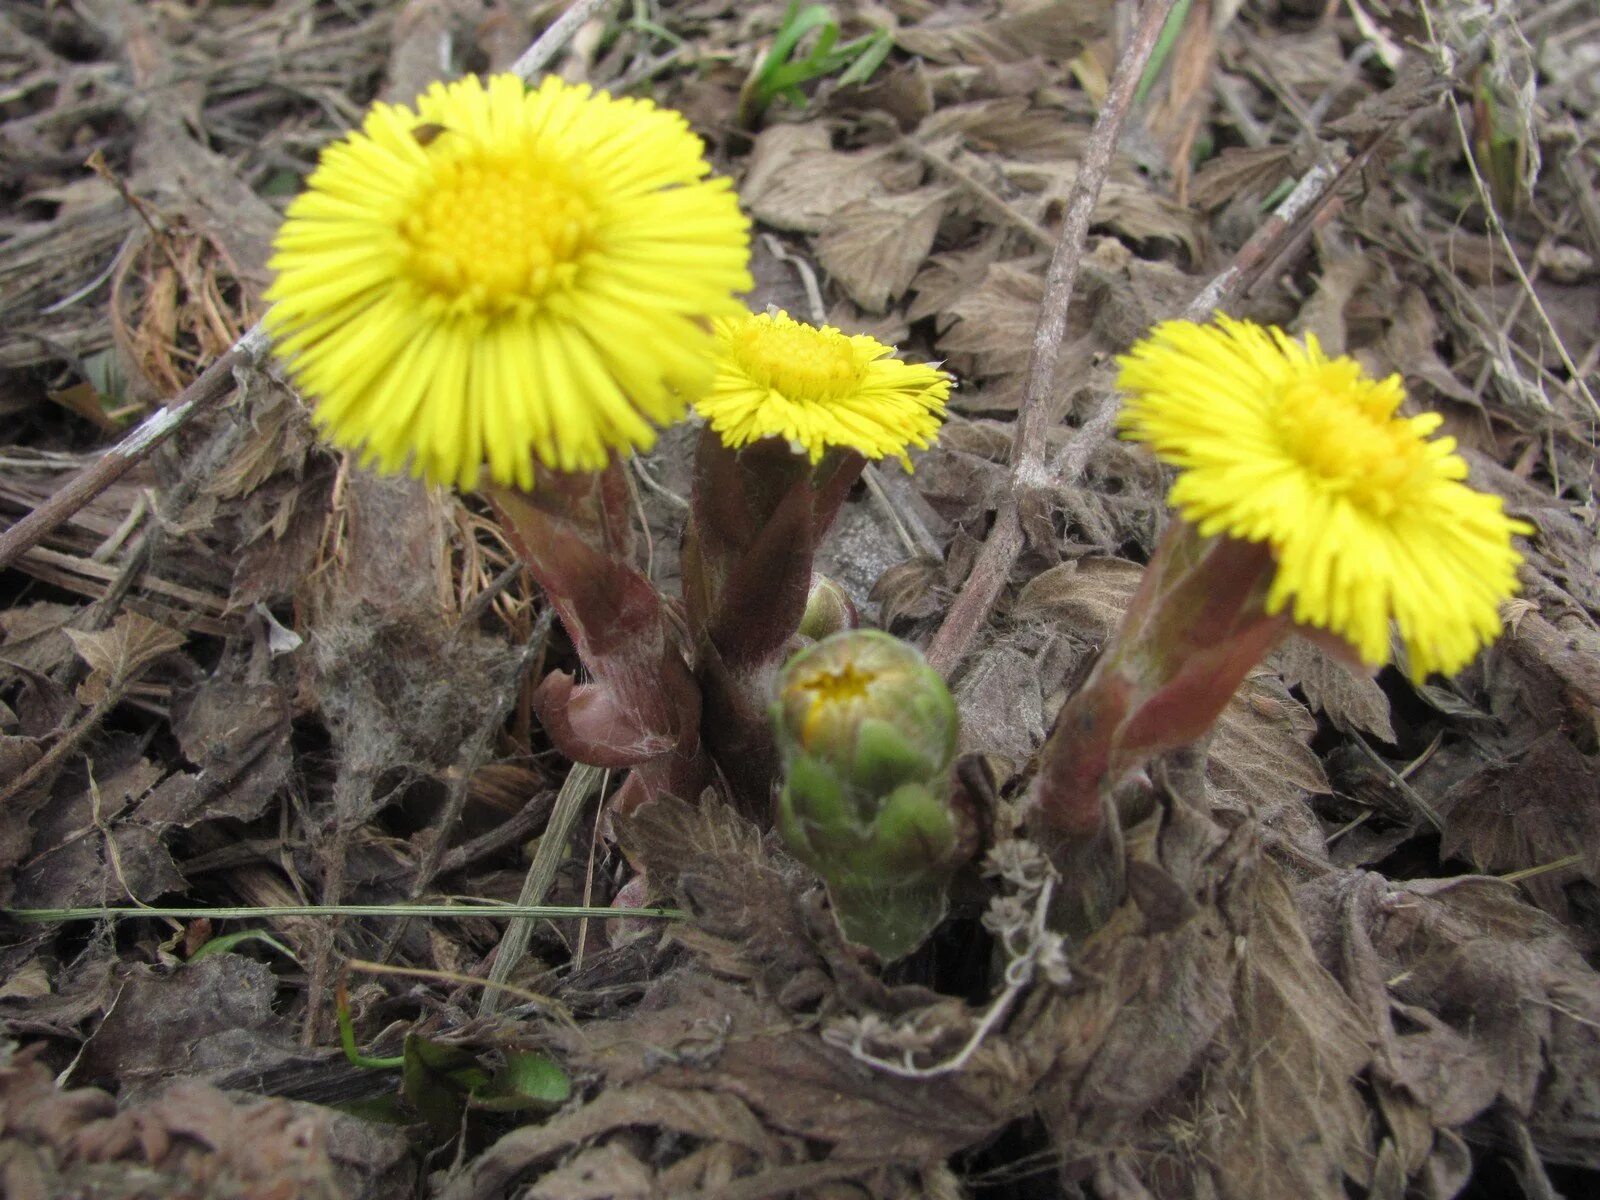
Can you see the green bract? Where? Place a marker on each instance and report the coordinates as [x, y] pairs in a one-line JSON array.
[[867, 733]]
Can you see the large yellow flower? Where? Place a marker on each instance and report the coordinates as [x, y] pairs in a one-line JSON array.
[[1366, 515], [819, 388], [501, 275]]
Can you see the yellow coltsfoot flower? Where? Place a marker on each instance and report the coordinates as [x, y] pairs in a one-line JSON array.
[[1367, 516], [819, 389], [501, 275]]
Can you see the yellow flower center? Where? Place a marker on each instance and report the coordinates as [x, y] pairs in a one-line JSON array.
[[838, 687], [829, 690], [1342, 428], [496, 232], [798, 362]]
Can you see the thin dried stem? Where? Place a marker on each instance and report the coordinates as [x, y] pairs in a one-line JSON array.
[[581, 783], [214, 384], [1497, 227], [551, 41], [1028, 473]]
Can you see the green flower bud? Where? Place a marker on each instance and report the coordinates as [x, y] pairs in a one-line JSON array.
[[868, 734], [829, 610]]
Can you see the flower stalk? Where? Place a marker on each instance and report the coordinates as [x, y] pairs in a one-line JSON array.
[[1195, 628], [757, 516]]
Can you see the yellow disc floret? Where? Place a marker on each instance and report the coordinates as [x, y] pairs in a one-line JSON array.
[[1367, 515], [496, 234], [502, 276], [819, 389]]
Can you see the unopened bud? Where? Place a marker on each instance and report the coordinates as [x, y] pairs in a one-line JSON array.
[[868, 732], [829, 610]]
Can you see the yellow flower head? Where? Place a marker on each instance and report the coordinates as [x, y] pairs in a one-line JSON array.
[[819, 388], [1367, 517], [501, 275]]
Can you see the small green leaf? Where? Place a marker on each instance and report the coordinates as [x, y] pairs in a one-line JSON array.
[[781, 72], [228, 942], [529, 1079], [436, 1080]]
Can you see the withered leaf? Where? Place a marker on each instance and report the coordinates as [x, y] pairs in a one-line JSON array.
[[875, 245], [1008, 125], [1480, 1000], [237, 733], [993, 322], [1260, 750], [1056, 29], [1323, 314], [948, 275], [34, 635], [700, 1114], [191, 1140], [117, 655], [214, 1015], [1528, 813], [1238, 170], [1351, 699], [1289, 1119], [909, 591], [797, 181], [1260, 755], [607, 1172], [1002, 705], [1086, 597]]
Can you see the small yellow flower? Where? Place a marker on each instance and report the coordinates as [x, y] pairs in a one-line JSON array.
[[500, 275], [819, 388], [1367, 516]]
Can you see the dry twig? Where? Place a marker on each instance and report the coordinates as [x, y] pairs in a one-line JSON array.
[[1028, 474], [214, 384]]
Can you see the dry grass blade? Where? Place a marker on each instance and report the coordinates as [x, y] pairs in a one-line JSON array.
[[581, 784]]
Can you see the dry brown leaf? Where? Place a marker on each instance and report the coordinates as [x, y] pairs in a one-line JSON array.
[[117, 655], [1529, 813], [993, 322], [1002, 706], [700, 1114], [1259, 753], [797, 181], [1479, 998], [1137, 213], [1410, 347], [237, 734], [1087, 598], [1289, 1120], [1056, 29], [1261, 746], [193, 1140], [606, 1172], [947, 276], [909, 592], [873, 247], [1240, 170], [35, 635], [1350, 698], [1007, 125], [1323, 314], [212, 1016]]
